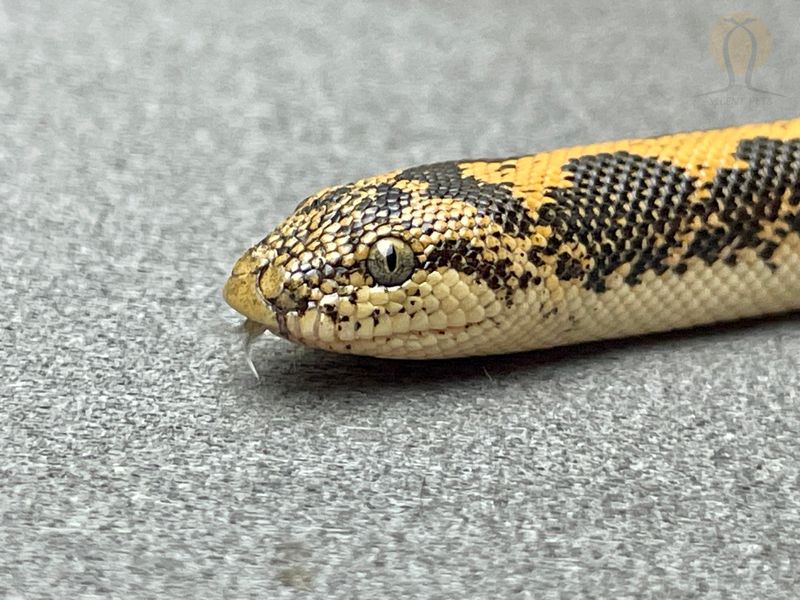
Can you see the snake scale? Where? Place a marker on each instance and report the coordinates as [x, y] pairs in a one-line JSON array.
[[584, 243]]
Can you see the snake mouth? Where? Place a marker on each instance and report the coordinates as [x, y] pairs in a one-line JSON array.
[[312, 335]]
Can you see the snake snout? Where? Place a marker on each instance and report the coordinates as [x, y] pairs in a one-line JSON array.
[[250, 288]]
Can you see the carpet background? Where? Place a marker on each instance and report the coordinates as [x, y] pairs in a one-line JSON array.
[[144, 145]]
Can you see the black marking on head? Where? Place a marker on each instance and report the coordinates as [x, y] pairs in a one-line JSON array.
[[467, 259], [387, 201], [630, 209], [383, 202], [324, 201], [493, 199]]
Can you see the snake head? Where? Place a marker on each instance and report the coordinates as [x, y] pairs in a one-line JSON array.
[[421, 263]]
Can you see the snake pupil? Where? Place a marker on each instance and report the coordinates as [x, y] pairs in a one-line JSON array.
[[391, 258]]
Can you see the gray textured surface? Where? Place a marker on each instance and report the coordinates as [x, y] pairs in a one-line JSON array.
[[144, 145]]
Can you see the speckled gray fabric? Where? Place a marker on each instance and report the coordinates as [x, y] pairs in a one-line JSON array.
[[144, 145]]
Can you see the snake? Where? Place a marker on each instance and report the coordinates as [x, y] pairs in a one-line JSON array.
[[578, 244]]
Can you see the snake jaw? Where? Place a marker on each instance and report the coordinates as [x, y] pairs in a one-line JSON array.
[[434, 314]]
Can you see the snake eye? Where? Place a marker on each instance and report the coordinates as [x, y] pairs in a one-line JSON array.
[[390, 261]]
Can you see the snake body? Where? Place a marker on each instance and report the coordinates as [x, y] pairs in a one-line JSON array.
[[492, 256]]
